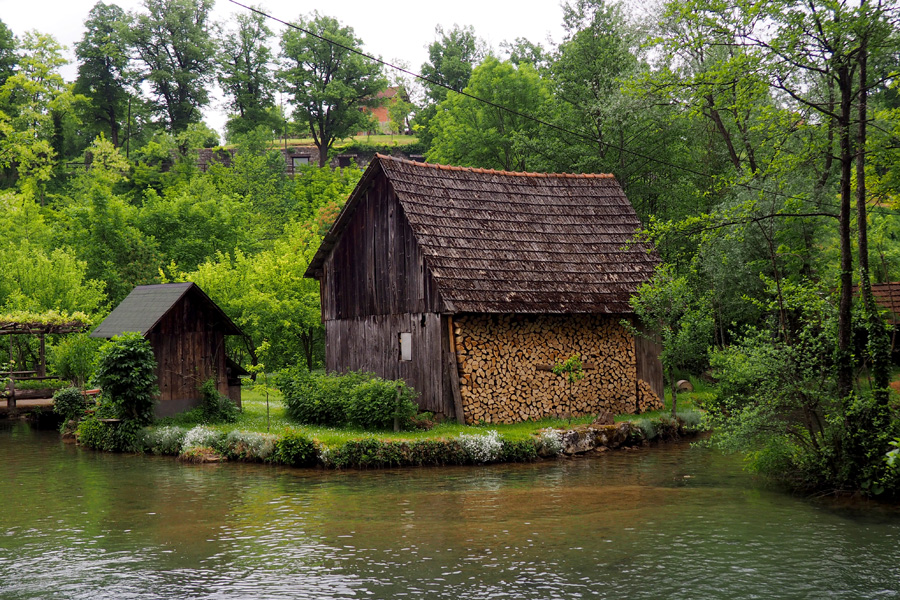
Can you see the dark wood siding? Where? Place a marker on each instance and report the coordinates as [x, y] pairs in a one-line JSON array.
[[189, 350], [649, 367], [377, 268], [373, 344]]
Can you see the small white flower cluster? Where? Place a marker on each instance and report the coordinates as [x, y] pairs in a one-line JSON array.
[[200, 436], [164, 440], [551, 441], [482, 448], [249, 445]]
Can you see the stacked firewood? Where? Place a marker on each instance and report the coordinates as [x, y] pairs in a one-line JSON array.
[[505, 366]]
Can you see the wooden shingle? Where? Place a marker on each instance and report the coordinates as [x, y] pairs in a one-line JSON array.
[[502, 242]]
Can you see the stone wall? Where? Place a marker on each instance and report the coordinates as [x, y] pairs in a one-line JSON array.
[[505, 360]]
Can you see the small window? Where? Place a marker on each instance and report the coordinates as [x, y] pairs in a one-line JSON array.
[[405, 346], [298, 161]]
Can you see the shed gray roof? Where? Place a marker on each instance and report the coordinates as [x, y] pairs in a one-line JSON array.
[[143, 308], [499, 241]]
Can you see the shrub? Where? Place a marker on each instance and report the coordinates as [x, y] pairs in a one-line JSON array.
[[73, 357], [165, 440], [551, 442], [376, 403], [126, 372], [247, 445], [42, 384], [318, 399], [482, 448], [201, 436], [111, 437], [69, 404], [216, 407], [518, 451], [296, 450], [368, 452], [437, 452]]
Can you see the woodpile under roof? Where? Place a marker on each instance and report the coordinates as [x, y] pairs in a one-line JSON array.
[[502, 242]]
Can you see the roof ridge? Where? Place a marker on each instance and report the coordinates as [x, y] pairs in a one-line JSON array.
[[481, 170]]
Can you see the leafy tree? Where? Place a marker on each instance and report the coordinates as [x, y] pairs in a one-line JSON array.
[[452, 57], [328, 83], [8, 58], [174, 42], [471, 133], [103, 74], [267, 296], [245, 75], [681, 318], [36, 101], [36, 280]]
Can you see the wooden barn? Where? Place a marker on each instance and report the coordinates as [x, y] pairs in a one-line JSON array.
[[470, 284], [187, 332]]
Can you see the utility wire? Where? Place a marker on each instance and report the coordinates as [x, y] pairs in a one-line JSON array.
[[529, 117]]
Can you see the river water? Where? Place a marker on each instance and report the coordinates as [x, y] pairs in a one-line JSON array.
[[665, 522]]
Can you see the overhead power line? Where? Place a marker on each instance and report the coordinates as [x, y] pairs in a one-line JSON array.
[[529, 117]]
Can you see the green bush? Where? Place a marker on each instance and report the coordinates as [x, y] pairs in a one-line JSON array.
[[42, 384], [126, 374], [318, 399], [518, 451], [376, 403], [296, 450], [73, 358], [110, 437], [69, 404], [216, 407]]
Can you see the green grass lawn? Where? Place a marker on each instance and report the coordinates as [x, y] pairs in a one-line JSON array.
[[254, 418]]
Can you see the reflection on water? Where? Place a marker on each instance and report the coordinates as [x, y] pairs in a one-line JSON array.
[[669, 522]]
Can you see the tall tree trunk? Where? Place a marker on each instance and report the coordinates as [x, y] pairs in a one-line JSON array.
[[844, 358], [878, 344]]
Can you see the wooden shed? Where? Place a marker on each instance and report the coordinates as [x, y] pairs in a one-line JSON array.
[[471, 283], [187, 332]]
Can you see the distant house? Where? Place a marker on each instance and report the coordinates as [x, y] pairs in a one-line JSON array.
[[887, 296], [187, 332], [470, 284], [380, 111]]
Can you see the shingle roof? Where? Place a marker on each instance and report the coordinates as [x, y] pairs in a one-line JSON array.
[[142, 309], [498, 241]]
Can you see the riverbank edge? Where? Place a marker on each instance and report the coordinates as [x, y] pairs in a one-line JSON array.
[[205, 445]]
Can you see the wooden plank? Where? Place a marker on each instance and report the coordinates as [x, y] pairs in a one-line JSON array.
[[454, 375]]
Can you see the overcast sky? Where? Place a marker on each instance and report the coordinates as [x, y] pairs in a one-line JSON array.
[[397, 29]]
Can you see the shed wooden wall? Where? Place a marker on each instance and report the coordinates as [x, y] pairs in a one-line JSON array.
[[649, 367], [377, 268], [372, 344], [188, 350], [375, 285]]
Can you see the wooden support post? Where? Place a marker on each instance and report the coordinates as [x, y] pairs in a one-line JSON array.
[[454, 375], [42, 369]]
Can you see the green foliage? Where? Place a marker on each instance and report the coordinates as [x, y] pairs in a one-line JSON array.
[[216, 407], [451, 59], [377, 404], [571, 369], [41, 384], [245, 75], [69, 404], [126, 374], [109, 437], [318, 399], [518, 451], [467, 132], [328, 83], [174, 42], [73, 357], [296, 450]]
